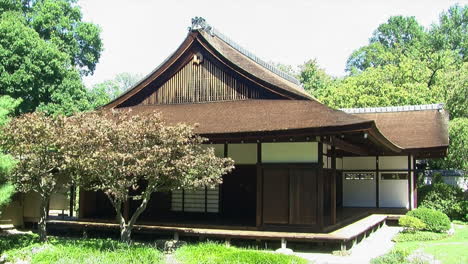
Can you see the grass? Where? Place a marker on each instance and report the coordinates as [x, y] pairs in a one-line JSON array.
[[62, 250], [27, 249], [212, 253], [449, 250]]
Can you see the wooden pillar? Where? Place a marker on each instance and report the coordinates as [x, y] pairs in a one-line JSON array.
[[82, 201], [72, 199], [377, 181], [320, 195], [259, 210], [333, 187], [410, 180], [415, 184]]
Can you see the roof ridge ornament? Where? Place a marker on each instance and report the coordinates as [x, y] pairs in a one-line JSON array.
[[200, 23]]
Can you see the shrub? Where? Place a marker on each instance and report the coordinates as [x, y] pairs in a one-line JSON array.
[[419, 236], [411, 224], [435, 221], [442, 197], [393, 257]]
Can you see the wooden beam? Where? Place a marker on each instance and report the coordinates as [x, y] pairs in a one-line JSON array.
[[349, 147]]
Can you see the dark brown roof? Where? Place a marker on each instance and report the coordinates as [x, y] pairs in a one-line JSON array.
[[412, 129], [253, 115], [247, 64]]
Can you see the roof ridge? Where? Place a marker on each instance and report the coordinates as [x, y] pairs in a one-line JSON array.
[[199, 23], [389, 109]]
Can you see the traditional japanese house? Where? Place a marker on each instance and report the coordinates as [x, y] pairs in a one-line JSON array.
[[299, 163]]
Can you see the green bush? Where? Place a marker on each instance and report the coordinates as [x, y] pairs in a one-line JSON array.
[[435, 221], [393, 257], [443, 197], [411, 224], [6, 192], [419, 236]]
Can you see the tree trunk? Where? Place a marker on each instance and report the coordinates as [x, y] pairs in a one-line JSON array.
[[43, 217], [126, 228]]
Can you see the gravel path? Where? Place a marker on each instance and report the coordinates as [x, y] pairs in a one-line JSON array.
[[377, 244]]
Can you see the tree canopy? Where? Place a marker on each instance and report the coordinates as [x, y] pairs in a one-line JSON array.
[[45, 48], [129, 157]]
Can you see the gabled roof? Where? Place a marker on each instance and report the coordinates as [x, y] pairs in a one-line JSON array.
[[234, 57], [413, 127]]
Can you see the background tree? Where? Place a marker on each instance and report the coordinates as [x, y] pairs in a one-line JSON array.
[[130, 157], [60, 22], [33, 140], [7, 107], [109, 90], [314, 79], [45, 48], [451, 33]]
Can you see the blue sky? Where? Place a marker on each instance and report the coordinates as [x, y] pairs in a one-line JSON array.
[[140, 34]]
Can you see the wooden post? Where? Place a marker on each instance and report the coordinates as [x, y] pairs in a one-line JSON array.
[[320, 197], [259, 209], [72, 200], [410, 180], [415, 185], [176, 236], [377, 180], [333, 187]]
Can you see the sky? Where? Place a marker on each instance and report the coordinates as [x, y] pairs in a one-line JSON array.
[[139, 34]]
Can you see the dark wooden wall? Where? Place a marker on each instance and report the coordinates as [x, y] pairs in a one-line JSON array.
[[289, 196]]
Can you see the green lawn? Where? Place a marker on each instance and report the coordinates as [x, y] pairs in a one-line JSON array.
[[70, 251], [26, 248], [212, 253], [449, 250]]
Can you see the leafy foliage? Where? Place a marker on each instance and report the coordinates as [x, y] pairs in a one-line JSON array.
[[314, 78], [443, 197], [411, 224], [419, 236], [104, 92], [7, 107], [210, 252], [131, 156], [35, 70], [34, 140], [45, 48], [435, 221], [6, 191], [60, 23]]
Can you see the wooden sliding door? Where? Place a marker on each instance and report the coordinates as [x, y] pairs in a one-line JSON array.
[[289, 195]]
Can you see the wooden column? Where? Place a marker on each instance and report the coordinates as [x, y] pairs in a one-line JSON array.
[[320, 186], [410, 180], [377, 180], [259, 211], [415, 185], [72, 199], [333, 187]]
